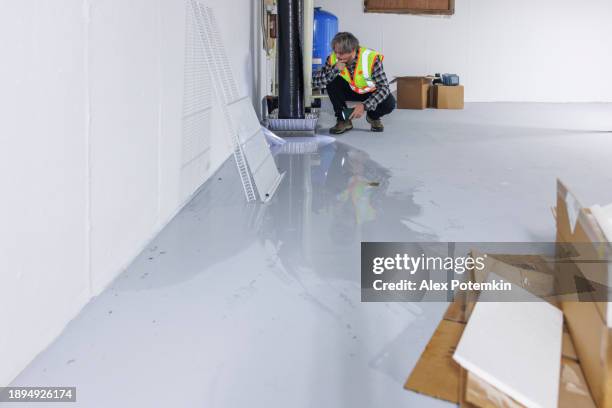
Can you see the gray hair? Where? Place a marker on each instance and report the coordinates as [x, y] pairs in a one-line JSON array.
[[345, 42]]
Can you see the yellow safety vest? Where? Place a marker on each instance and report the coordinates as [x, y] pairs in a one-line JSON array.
[[362, 81]]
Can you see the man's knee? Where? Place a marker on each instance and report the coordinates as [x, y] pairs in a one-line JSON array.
[[390, 103], [386, 106]]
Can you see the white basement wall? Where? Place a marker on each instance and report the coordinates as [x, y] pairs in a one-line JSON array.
[[91, 153], [523, 50]]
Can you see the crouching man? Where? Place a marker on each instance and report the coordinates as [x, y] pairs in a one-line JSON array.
[[354, 73]]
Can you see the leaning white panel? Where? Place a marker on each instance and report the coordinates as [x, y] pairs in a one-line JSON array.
[[263, 168], [253, 157], [243, 118], [515, 347], [255, 148]]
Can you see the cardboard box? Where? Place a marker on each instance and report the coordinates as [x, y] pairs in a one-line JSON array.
[[448, 97], [587, 321], [586, 360], [529, 272], [431, 97], [412, 92], [573, 390], [436, 374]]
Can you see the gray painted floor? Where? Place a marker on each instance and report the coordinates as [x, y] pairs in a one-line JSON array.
[[237, 305]]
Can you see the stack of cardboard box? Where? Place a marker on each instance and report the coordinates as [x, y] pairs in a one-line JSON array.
[[585, 378], [419, 92]]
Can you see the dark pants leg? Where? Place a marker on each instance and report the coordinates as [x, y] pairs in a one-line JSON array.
[[384, 108], [339, 92]]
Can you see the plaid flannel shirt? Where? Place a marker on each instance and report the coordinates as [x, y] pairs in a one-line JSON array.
[[328, 73]]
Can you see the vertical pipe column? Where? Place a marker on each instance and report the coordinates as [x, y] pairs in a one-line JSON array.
[[300, 12], [307, 50], [290, 64]]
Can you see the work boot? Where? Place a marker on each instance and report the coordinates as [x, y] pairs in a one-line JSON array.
[[377, 125], [341, 127]]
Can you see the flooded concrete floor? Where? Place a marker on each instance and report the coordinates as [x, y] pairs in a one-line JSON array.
[[251, 305]]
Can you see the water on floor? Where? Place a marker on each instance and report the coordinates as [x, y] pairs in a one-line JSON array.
[[237, 304]]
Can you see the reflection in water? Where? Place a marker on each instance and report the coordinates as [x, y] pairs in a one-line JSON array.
[[291, 265], [329, 202]]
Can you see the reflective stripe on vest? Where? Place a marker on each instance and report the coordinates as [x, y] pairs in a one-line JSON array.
[[367, 74]]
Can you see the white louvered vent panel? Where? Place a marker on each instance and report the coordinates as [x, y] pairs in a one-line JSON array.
[[223, 88], [198, 90], [229, 83], [196, 139], [253, 157], [197, 97], [192, 173]]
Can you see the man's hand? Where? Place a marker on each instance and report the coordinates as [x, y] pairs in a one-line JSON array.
[[340, 66], [358, 112]]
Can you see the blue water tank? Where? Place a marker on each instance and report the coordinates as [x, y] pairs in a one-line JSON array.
[[325, 28]]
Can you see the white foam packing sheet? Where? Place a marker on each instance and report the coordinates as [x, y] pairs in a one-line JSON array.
[[515, 347]]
